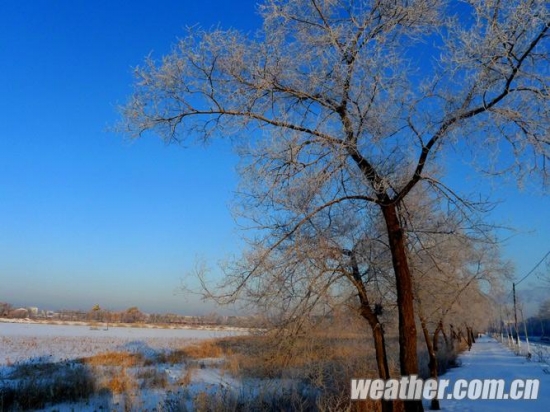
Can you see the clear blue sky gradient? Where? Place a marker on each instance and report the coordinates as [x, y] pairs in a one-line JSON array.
[[88, 217]]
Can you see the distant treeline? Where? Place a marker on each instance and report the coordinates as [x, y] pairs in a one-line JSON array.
[[130, 315]]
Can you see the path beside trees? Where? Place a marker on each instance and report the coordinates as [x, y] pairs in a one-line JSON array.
[[490, 359]]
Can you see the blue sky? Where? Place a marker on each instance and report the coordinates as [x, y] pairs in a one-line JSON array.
[[87, 216]]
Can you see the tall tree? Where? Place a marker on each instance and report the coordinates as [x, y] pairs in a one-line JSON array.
[[342, 105]]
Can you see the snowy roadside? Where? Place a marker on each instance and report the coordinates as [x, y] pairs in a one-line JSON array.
[[489, 359]]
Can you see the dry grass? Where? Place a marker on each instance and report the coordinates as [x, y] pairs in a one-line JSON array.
[[318, 367], [36, 384], [266, 356], [120, 382], [123, 359], [204, 349], [200, 350], [320, 364]]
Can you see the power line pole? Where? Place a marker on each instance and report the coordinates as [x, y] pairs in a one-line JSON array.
[[515, 313]]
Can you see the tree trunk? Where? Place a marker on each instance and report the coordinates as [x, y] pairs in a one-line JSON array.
[[435, 339], [432, 345], [379, 341], [432, 364], [469, 337], [408, 357], [380, 348], [445, 338], [376, 327]]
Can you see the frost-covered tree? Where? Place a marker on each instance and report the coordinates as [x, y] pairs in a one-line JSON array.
[[339, 107]]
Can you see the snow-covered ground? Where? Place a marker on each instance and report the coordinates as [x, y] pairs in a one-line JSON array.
[[24, 341], [490, 359]]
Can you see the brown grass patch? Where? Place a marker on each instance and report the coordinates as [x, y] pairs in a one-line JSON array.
[[322, 361], [204, 349], [176, 357], [122, 382], [308, 357], [123, 359], [198, 350]]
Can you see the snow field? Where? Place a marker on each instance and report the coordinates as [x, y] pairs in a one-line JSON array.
[[118, 368], [21, 342]]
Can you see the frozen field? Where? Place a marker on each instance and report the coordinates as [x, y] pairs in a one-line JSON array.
[[44, 360], [25, 341]]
